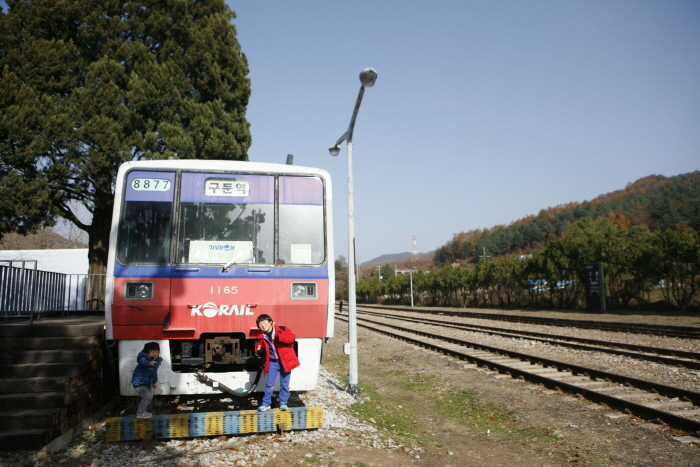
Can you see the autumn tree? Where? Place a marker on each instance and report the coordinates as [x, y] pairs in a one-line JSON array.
[[680, 265], [89, 85]]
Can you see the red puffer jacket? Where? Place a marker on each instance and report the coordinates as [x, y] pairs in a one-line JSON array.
[[284, 342]]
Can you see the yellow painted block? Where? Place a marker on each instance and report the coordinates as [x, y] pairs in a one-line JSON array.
[[314, 417], [113, 429], [179, 425], [284, 417], [248, 421], [142, 426], [215, 423]]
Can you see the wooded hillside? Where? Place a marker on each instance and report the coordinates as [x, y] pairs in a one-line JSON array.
[[655, 201]]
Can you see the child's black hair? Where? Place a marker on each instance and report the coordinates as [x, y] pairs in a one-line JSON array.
[[263, 318], [151, 346]]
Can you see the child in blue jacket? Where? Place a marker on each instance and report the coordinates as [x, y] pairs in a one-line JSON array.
[[145, 376]]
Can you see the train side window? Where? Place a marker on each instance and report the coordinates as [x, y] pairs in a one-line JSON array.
[[144, 233], [146, 223], [301, 221]]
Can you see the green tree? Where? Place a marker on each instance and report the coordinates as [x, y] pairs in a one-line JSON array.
[[89, 85], [370, 290], [341, 278], [639, 264], [485, 280], [507, 271], [680, 265], [386, 272]]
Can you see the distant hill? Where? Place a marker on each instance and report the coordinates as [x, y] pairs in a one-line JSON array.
[[656, 201], [42, 240], [397, 258]]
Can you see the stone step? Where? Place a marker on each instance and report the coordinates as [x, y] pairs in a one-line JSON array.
[[52, 343], [30, 419], [67, 327], [22, 440], [37, 384], [30, 370], [37, 400], [53, 356], [50, 378], [11, 343]]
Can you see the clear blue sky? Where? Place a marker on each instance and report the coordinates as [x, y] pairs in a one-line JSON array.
[[483, 113]]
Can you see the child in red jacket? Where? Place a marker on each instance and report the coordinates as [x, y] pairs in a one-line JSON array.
[[280, 359]]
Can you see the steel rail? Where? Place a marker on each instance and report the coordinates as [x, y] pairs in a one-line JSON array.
[[639, 410], [570, 341], [688, 332]]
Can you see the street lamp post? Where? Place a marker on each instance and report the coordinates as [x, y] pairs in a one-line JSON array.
[[368, 76]]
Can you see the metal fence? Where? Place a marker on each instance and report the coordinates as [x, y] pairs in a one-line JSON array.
[[28, 293]]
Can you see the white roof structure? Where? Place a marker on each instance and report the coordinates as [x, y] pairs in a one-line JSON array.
[[68, 261]]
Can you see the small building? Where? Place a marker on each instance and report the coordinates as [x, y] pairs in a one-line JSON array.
[[69, 292], [65, 261]]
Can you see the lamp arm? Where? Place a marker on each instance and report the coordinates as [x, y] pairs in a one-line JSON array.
[[341, 139], [351, 128]]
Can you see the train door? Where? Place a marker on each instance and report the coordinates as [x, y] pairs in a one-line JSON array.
[[224, 251]]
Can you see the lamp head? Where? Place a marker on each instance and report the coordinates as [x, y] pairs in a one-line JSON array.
[[334, 150], [368, 76]]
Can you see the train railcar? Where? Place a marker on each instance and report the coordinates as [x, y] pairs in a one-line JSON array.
[[198, 249]]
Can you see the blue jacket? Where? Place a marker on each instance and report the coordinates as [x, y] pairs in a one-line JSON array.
[[144, 374]]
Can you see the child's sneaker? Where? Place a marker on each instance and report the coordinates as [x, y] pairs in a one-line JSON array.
[[283, 406], [144, 415], [263, 408]]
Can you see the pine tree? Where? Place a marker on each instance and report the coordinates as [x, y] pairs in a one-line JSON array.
[[89, 85]]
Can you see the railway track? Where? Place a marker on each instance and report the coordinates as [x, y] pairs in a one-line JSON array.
[[672, 357], [678, 408], [683, 332]]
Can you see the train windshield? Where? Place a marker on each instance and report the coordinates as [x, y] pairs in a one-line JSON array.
[[226, 219], [145, 228], [223, 219]]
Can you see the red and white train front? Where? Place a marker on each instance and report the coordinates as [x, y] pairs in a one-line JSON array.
[[199, 249]]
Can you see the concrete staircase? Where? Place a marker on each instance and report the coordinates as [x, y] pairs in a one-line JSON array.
[[52, 377]]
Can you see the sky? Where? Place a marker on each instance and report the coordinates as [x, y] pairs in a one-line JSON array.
[[484, 112]]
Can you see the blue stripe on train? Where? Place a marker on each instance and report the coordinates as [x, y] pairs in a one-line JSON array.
[[206, 272]]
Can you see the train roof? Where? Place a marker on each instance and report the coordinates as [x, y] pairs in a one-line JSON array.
[[218, 165]]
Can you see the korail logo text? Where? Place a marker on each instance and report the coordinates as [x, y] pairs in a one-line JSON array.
[[211, 309]]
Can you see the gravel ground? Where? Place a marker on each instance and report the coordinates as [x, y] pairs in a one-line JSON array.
[[688, 379], [586, 434], [243, 450]]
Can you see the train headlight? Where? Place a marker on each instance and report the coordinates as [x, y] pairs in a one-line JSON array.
[[144, 291], [304, 291], [138, 290]]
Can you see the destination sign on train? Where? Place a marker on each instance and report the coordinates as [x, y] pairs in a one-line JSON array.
[[227, 187]]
